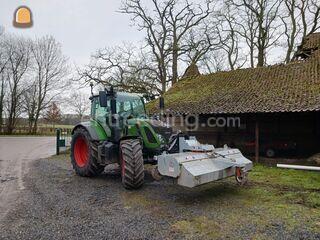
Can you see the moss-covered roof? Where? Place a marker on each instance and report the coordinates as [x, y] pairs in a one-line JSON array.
[[293, 87], [312, 41]]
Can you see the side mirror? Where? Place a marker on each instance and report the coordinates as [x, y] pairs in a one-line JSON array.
[[161, 103], [103, 99]]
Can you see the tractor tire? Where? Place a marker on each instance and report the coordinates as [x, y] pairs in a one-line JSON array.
[[84, 154], [132, 164], [270, 153]]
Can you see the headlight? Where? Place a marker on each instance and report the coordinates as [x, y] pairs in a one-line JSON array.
[[161, 138]]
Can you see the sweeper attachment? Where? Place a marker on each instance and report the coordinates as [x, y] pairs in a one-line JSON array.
[[198, 164], [120, 132]]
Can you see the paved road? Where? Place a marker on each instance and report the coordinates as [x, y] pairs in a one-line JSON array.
[[16, 154]]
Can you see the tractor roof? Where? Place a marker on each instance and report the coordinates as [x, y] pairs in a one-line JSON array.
[[130, 95], [124, 95]]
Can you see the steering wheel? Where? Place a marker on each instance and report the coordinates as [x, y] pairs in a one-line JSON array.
[[127, 115]]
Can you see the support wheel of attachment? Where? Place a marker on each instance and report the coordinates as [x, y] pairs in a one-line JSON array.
[[241, 177], [132, 164]]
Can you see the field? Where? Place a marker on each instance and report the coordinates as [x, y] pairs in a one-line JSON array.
[[43, 129], [276, 204]]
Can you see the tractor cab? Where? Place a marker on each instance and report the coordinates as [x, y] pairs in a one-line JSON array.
[[127, 106], [123, 115]]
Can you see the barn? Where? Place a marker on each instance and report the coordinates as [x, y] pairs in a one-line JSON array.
[[277, 107]]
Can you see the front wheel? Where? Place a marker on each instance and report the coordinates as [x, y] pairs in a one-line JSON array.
[[83, 154], [132, 164]]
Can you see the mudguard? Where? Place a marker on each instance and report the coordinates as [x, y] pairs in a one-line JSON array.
[[96, 131]]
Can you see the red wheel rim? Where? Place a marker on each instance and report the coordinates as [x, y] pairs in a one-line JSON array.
[[81, 151]]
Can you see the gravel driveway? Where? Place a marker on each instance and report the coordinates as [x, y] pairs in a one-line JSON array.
[[57, 204]]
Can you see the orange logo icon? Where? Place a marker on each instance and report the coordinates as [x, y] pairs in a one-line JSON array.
[[23, 17]]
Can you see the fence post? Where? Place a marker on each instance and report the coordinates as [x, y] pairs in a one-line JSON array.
[[58, 133]]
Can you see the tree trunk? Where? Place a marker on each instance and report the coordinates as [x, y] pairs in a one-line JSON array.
[[12, 111], [35, 124], [10, 125], [260, 57], [289, 52], [231, 63], [175, 56], [252, 56], [30, 125], [35, 127], [1, 103], [164, 86]]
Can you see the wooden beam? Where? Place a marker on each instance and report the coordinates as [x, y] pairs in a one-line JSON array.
[[257, 141]]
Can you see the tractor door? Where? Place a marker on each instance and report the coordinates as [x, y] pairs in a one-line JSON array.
[[101, 115]]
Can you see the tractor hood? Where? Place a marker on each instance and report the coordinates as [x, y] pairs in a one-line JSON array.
[[159, 127]]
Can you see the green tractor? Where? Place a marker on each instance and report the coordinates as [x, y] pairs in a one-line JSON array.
[[120, 131]]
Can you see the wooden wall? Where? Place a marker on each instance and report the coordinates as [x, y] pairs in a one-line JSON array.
[[302, 128]]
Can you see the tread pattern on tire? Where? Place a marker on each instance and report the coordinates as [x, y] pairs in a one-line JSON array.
[[132, 158], [93, 168]]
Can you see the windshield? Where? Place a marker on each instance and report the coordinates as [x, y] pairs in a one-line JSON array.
[[130, 106]]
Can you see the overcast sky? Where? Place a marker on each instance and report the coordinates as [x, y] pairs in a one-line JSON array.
[[81, 26]]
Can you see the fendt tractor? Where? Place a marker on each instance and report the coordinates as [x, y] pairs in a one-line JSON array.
[[120, 132]]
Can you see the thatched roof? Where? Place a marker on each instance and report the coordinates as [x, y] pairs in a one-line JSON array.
[[309, 45], [312, 41], [293, 87]]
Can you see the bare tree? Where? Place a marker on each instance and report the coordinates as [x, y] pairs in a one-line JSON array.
[[248, 29], [18, 51], [49, 70], [167, 25], [213, 61], [310, 16], [291, 26], [29, 106], [53, 114], [241, 33], [300, 18], [183, 17], [228, 35], [200, 42], [79, 103], [125, 67], [3, 54], [157, 32], [3, 63], [260, 25], [2, 97]]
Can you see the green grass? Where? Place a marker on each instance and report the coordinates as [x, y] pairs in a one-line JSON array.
[[200, 226], [43, 130], [273, 196], [55, 126], [303, 180]]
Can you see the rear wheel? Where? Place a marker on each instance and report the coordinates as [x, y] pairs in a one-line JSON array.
[[270, 153], [132, 164], [84, 155]]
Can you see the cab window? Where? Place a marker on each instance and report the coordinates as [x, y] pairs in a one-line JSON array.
[[98, 112], [123, 107]]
